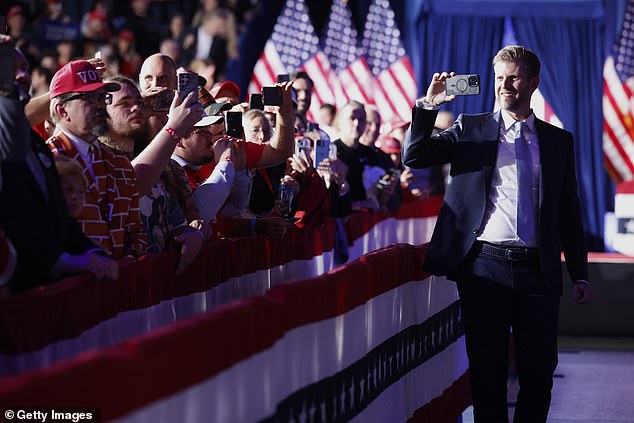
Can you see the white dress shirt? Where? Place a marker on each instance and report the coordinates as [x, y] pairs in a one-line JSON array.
[[83, 148], [500, 219]]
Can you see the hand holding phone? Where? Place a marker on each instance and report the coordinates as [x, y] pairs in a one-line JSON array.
[[321, 150]]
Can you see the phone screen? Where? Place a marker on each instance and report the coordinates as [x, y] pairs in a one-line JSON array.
[[234, 125], [272, 96]]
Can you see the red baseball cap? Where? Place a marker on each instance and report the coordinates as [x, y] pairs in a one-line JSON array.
[[15, 10], [78, 76], [127, 35], [225, 86], [388, 145]]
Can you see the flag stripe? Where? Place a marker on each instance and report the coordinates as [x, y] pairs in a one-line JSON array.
[[385, 86], [396, 78], [618, 119], [398, 101]]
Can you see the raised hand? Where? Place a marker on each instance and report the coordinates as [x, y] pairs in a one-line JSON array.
[[436, 94]]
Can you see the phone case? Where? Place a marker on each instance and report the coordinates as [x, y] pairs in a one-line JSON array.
[[321, 150], [187, 82]]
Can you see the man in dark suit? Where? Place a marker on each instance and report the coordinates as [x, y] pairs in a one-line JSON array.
[[509, 210]]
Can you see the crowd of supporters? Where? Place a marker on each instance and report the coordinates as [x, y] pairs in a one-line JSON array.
[[105, 157]]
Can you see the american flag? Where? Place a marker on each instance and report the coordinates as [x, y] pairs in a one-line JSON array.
[[395, 86], [355, 80], [294, 45], [618, 116]]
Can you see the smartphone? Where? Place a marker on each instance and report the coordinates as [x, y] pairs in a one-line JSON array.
[[321, 150], [255, 101], [332, 151], [162, 101], [187, 82], [7, 69], [272, 96], [233, 124], [283, 77], [463, 85], [98, 55], [302, 144]]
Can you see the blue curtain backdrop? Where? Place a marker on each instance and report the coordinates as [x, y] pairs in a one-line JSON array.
[[462, 44], [572, 38]]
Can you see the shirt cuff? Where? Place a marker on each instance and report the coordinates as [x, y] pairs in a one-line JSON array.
[[422, 104]]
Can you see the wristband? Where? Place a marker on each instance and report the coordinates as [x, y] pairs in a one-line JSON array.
[[252, 227], [172, 133]]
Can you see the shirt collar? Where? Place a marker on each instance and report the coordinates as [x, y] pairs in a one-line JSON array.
[[183, 162], [508, 121], [82, 146]]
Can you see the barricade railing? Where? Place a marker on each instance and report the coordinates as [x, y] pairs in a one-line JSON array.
[[376, 339], [59, 321]]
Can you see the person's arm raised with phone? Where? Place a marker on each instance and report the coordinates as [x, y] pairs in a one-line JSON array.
[[150, 163], [281, 146]]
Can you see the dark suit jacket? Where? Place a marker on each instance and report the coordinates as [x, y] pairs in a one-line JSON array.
[[40, 229], [470, 146]]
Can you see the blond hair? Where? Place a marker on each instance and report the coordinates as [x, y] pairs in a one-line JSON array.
[[519, 54]]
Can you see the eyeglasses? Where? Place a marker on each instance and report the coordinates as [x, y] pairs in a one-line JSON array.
[[93, 97]]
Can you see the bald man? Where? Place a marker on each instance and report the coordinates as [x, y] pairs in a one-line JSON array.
[[158, 73], [158, 70]]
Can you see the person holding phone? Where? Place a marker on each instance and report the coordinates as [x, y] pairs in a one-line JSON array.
[[510, 209]]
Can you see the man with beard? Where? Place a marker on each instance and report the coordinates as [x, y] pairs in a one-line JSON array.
[[162, 217], [511, 207], [303, 86], [110, 216]]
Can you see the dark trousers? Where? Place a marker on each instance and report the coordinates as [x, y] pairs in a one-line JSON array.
[[496, 295]]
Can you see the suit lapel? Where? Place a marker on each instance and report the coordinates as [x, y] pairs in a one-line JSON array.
[[490, 130], [548, 158]]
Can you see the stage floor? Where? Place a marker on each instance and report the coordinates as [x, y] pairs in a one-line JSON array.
[[594, 382]]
